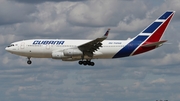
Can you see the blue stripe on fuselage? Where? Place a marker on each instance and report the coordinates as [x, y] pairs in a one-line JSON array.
[[130, 47]]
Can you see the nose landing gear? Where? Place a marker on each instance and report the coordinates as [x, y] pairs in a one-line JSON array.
[[29, 61]]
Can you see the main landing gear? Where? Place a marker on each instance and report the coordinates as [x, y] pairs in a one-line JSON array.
[[86, 63], [29, 61]]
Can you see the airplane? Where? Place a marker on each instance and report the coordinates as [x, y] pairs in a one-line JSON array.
[[100, 48]]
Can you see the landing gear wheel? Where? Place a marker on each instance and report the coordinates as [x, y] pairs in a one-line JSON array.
[[80, 62], [85, 63], [92, 64], [29, 62], [89, 63]]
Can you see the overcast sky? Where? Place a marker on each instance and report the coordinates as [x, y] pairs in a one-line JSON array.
[[147, 77]]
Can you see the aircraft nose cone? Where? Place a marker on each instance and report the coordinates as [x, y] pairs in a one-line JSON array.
[[7, 49]]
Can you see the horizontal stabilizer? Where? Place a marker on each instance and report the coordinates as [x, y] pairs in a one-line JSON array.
[[154, 44]]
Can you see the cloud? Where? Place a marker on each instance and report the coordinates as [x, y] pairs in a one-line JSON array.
[[41, 1], [84, 14], [13, 13], [160, 80], [99, 14]]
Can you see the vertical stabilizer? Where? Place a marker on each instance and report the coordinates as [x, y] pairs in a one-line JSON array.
[[154, 31], [150, 34]]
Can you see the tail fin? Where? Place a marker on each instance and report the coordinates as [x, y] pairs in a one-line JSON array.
[[150, 36], [153, 32], [156, 30]]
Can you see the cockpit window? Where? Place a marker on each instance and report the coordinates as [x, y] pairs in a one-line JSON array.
[[11, 45]]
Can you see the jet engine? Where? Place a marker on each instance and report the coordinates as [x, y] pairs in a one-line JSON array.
[[59, 55], [72, 52]]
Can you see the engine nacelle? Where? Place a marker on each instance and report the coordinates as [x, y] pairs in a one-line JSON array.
[[59, 55], [72, 52]]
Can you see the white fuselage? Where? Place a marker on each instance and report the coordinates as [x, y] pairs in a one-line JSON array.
[[43, 48]]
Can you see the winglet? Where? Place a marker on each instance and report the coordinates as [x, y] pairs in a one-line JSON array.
[[107, 32]]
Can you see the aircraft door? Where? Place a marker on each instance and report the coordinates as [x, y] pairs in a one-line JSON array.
[[22, 46], [47, 46]]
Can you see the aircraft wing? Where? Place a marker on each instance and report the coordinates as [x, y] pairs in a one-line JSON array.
[[92, 46]]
